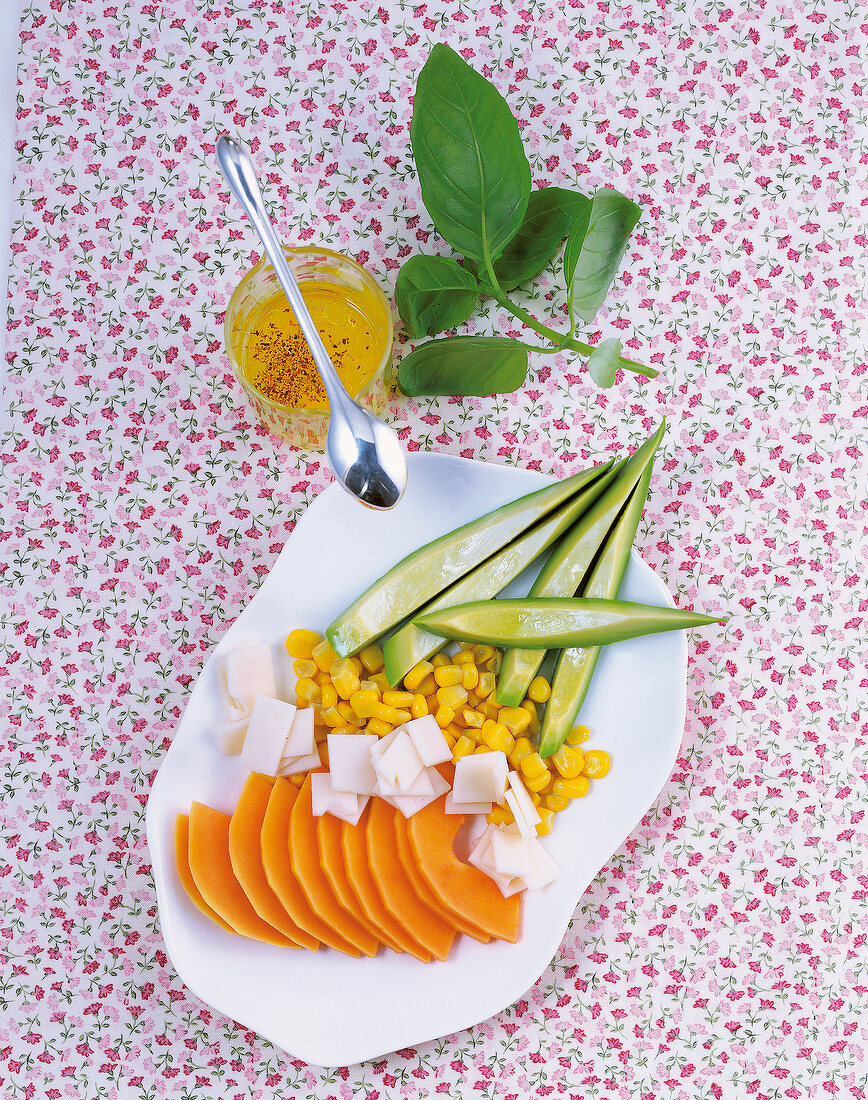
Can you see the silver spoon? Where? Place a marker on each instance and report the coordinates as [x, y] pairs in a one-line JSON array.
[[364, 453]]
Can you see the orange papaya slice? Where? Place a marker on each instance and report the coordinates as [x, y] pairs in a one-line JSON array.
[[405, 853], [355, 852], [274, 845], [304, 856], [427, 927], [461, 889], [212, 872], [182, 834], [245, 854]]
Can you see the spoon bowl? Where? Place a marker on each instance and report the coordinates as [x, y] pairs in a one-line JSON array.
[[364, 453]]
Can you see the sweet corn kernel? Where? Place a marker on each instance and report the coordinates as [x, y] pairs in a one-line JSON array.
[[349, 715], [548, 819], [448, 675], [332, 716], [371, 658], [322, 677], [443, 716], [473, 718], [482, 748], [450, 738], [403, 716], [440, 659], [380, 728], [489, 709], [463, 657], [300, 643], [453, 696], [324, 655], [478, 735], [571, 788], [499, 739], [454, 731], [381, 680], [500, 815], [473, 700], [540, 689], [363, 703], [417, 674], [521, 749], [533, 765], [535, 798], [516, 719], [369, 685], [419, 706], [346, 682], [556, 802], [569, 761], [487, 684], [530, 706], [597, 763], [463, 747], [389, 714], [577, 735], [428, 686], [469, 677], [341, 730], [329, 696], [482, 653], [304, 668], [307, 692], [397, 698], [539, 783], [493, 664]]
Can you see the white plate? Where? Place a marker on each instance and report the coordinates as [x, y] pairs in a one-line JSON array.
[[326, 1008]]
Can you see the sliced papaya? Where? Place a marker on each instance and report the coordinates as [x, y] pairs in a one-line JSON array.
[[182, 834], [395, 888], [329, 830], [304, 856], [212, 872], [408, 860], [274, 845], [461, 889], [355, 852], [245, 854]]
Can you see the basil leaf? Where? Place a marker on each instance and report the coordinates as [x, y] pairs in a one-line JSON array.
[[594, 252], [551, 212], [603, 362], [434, 293], [474, 175], [468, 366]]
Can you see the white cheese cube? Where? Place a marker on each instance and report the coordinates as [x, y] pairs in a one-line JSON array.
[[231, 737], [524, 826], [399, 765], [480, 777], [428, 740], [421, 785], [523, 798], [298, 764], [325, 799], [244, 674], [543, 868], [266, 735], [453, 807], [509, 852], [350, 762], [300, 741]]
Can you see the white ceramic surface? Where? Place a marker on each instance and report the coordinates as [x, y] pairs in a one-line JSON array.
[[326, 1008]]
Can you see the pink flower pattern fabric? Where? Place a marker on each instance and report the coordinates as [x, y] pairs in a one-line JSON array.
[[721, 952]]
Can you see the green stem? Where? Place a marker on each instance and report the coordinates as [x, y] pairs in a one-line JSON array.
[[562, 340]]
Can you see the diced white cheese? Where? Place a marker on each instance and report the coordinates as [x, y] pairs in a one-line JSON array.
[[428, 740], [509, 853], [479, 851], [453, 807], [480, 777], [300, 741], [422, 785], [384, 743], [508, 886], [245, 673], [523, 798], [409, 804], [399, 765], [325, 799], [231, 737], [299, 764], [524, 827], [266, 735], [543, 868], [350, 762]]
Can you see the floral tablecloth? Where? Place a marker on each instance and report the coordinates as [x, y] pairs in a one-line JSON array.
[[721, 952]]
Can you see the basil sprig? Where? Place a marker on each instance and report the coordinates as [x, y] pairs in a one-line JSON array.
[[476, 186]]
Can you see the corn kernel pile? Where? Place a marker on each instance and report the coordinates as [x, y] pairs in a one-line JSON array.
[[352, 695]]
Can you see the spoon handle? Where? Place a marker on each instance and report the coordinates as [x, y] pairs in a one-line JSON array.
[[237, 167]]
